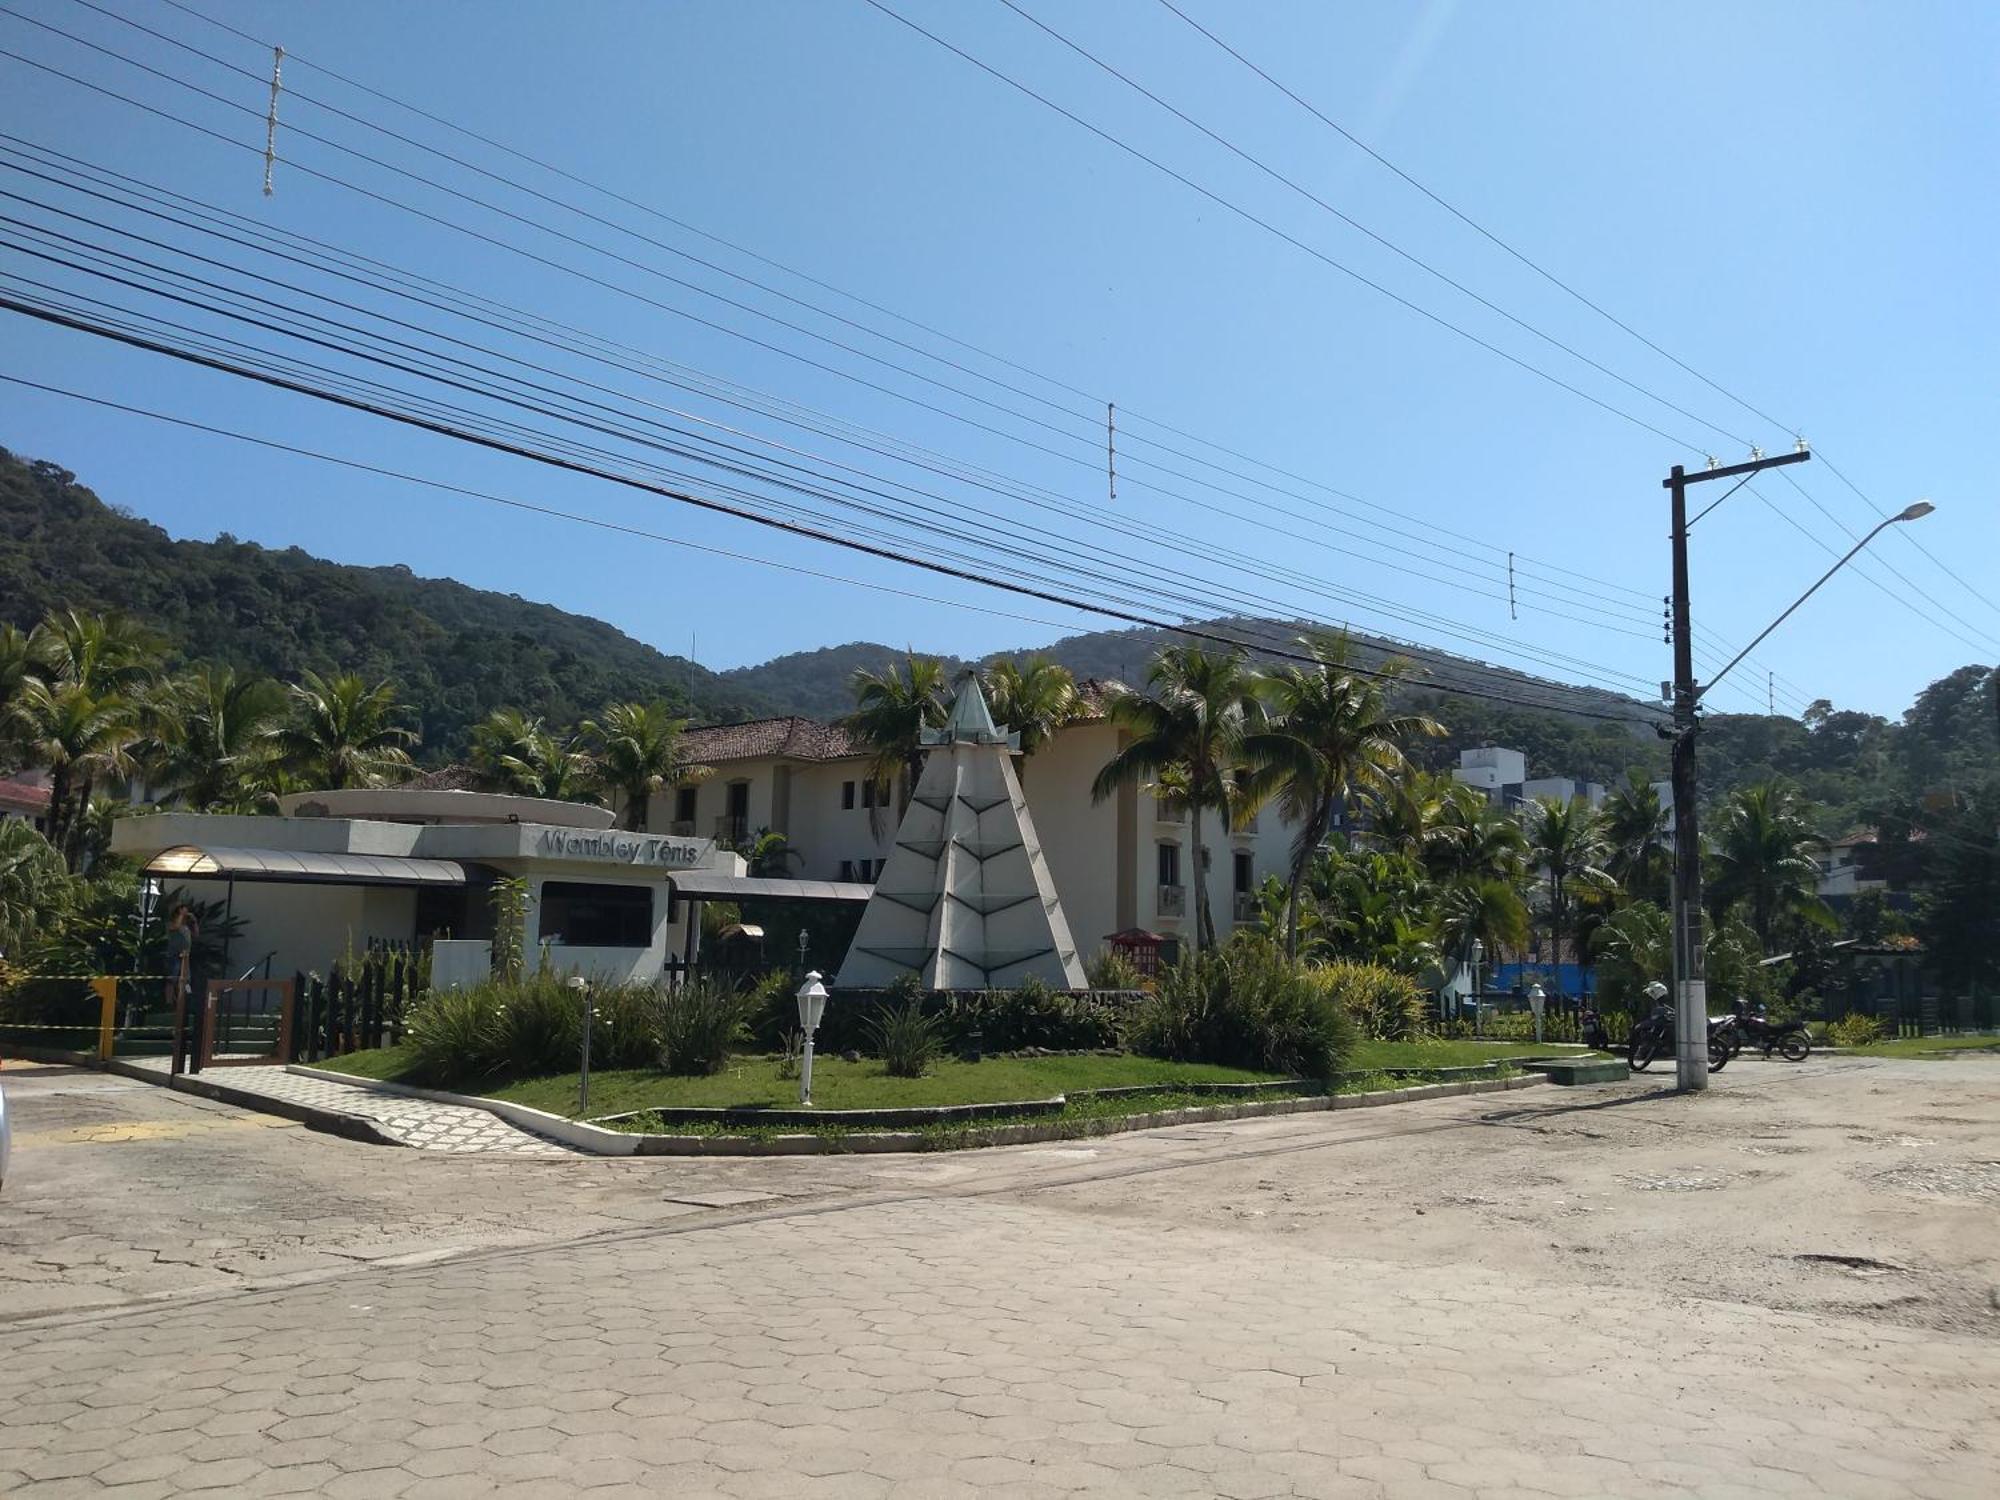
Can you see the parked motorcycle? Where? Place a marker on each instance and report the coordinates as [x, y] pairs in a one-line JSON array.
[[1789, 1039], [1654, 1037]]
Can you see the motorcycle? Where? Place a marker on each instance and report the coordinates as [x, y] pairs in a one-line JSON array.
[[1654, 1037], [1789, 1039]]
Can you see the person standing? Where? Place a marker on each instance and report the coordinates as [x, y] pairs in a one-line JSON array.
[[182, 929]]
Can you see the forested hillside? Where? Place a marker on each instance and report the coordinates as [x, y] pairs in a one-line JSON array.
[[456, 653]]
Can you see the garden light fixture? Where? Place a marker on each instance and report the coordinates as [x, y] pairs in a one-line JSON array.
[[812, 1006]]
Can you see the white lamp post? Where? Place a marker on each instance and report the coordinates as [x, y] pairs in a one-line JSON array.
[[1536, 996], [1478, 957], [812, 1005], [582, 987]]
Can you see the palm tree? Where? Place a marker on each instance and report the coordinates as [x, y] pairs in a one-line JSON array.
[[103, 654], [1635, 823], [17, 664], [1471, 839], [34, 884], [107, 659], [771, 855], [892, 709], [211, 739], [1486, 910], [1762, 855], [76, 736], [1567, 845], [1634, 949], [342, 733], [641, 753], [1189, 727], [1330, 735], [1034, 703], [516, 753]]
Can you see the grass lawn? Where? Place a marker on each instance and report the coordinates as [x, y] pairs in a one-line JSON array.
[[1926, 1046], [752, 1082]]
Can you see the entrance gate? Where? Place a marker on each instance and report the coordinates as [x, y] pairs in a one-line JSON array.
[[245, 1021]]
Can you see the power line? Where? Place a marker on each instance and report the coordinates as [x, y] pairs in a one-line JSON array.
[[862, 301], [617, 288], [1095, 399], [736, 468], [1292, 183], [1562, 285], [510, 357], [685, 497], [1270, 228], [390, 166]]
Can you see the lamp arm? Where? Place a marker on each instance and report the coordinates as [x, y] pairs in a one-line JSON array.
[[1880, 527]]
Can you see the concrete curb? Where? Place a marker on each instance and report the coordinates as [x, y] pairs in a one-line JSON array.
[[595, 1139]]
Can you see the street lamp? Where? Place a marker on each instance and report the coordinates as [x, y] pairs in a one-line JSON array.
[[1914, 512], [1478, 957], [812, 1005], [1537, 996], [582, 987]]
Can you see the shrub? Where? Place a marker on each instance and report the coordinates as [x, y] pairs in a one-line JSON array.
[[542, 1025], [906, 1039], [455, 1035], [1108, 970], [625, 1029], [772, 1007], [697, 1023], [1245, 1006], [1855, 1030], [1033, 1015], [1385, 1005]]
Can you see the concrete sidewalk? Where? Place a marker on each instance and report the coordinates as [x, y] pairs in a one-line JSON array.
[[422, 1123]]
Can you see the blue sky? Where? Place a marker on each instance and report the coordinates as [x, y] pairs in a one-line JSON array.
[[1795, 200]]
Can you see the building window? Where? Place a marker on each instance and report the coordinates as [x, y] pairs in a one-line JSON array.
[[868, 791], [582, 915], [1170, 864], [847, 796], [1246, 874], [684, 804], [847, 870]]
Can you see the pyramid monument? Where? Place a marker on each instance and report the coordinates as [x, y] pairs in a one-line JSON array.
[[965, 901]]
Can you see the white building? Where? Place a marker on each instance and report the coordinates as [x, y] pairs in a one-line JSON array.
[[1502, 774], [342, 871], [1122, 864], [24, 798]]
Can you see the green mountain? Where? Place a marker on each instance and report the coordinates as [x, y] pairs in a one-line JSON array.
[[456, 652]]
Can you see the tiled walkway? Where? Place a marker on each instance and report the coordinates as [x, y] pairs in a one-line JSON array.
[[415, 1122]]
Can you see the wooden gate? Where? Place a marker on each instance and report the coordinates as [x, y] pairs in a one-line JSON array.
[[246, 1021]]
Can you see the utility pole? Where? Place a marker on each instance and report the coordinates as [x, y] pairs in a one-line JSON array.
[[1690, 979]]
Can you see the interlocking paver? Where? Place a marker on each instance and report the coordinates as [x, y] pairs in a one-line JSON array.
[[422, 1123]]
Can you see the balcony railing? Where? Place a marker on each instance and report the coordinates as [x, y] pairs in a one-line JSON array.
[[1172, 901], [1246, 906], [1169, 810], [1247, 826], [732, 829], [682, 828]]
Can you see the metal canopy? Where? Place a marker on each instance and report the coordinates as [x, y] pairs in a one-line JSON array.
[[210, 862], [717, 887]]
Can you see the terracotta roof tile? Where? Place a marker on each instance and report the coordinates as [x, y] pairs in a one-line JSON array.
[[791, 737], [23, 796]]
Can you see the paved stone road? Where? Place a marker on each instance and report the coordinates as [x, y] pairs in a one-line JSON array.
[[421, 1123], [926, 1348], [1031, 1323]]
